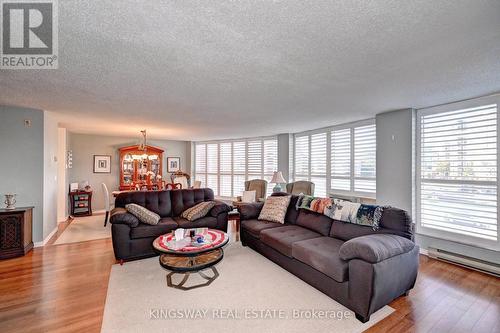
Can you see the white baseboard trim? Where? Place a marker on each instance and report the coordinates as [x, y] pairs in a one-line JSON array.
[[49, 236]]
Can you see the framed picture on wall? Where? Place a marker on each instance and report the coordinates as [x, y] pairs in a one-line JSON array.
[[173, 164], [102, 163]]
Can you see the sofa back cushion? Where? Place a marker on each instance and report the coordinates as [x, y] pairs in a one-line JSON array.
[[156, 201], [314, 221], [394, 221], [187, 198]]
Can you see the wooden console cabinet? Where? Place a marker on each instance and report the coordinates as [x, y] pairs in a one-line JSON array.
[[16, 237]]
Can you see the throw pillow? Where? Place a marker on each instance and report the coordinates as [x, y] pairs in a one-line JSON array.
[[143, 214], [369, 215], [306, 201], [274, 209], [198, 211], [248, 196]]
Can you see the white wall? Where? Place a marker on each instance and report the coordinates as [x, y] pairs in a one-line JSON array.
[[50, 167], [62, 186], [85, 146]]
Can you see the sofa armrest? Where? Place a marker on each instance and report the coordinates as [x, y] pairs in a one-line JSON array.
[[219, 208], [375, 248], [122, 216], [249, 210]]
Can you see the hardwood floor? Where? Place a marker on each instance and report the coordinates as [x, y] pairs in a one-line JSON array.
[[62, 288]]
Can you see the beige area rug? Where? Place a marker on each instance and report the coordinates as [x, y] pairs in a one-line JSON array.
[[252, 294], [85, 229]]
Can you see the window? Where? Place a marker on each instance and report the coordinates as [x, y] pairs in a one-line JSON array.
[[340, 159], [225, 166], [457, 173]]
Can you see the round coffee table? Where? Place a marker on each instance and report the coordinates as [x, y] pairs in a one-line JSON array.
[[191, 258]]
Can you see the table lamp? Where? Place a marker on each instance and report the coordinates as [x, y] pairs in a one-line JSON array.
[[278, 180]]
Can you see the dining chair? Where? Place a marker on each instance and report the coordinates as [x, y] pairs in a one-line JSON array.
[[107, 205], [181, 180]]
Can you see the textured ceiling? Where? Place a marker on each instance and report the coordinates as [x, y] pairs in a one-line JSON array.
[[196, 70]]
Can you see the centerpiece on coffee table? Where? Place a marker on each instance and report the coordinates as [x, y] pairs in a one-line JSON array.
[[186, 251]]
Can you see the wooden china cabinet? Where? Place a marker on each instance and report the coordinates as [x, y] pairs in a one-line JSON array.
[[141, 167]]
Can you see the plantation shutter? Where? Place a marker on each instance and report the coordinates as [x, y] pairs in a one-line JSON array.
[[226, 169], [213, 167], [318, 163], [301, 158], [458, 171], [341, 159], [201, 163], [254, 159], [365, 150]]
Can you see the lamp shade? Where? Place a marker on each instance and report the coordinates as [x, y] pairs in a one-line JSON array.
[[278, 178]]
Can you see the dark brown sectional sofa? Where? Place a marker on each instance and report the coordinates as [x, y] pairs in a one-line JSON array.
[[133, 239], [360, 268]]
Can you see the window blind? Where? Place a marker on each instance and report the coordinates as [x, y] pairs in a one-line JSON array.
[[318, 163], [458, 171], [365, 151], [225, 166], [341, 159], [350, 168]]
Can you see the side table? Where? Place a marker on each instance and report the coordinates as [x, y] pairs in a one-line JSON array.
[[234, 215]]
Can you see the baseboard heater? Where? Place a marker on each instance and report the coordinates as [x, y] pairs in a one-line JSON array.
[[464, 261]]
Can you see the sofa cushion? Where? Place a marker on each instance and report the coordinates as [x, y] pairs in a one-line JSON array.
[[184, 199], [143, 214], [207, 221], [314, 221], [143, 230], [322, 254], [198, 211], [254, 226], [281, 239], [274, 209], [156, 201]]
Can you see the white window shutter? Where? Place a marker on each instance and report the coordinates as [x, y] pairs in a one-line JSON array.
[[458, 172]]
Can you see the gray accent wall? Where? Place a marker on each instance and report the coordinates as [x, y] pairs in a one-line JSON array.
[[22, 163], [395, 158], [285, 141], [85, 146]]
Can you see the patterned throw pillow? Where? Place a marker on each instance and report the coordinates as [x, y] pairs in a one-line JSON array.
[[143, 214], [198, 211], [274, 209]]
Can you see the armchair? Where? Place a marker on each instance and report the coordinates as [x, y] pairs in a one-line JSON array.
[[301, 186], [257, 185]]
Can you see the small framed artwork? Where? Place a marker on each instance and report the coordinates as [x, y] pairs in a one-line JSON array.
[[173, 164], [102, 163]]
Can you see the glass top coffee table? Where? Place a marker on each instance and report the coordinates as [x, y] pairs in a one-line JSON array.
[[187, 257]]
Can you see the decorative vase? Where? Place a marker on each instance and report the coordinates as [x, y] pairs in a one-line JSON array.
[[277, 188], [10, 201]]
